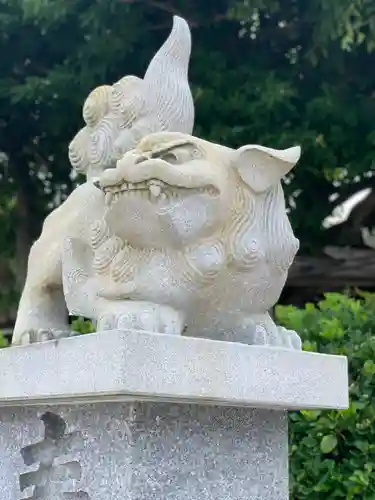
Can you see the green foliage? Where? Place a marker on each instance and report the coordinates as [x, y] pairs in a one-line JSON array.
[[82, 325], [332, 453], [3, 341]]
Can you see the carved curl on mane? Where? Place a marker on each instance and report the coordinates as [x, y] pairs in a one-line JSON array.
[[263, 215]]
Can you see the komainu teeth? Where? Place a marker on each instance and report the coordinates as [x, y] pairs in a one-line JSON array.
[[152, 189], [157, 182], [108, 198], [155, 190]]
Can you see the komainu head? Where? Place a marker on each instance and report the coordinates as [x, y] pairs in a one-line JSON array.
[[175, 189], [171, 190]]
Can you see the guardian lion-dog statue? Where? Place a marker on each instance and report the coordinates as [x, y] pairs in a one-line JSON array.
[[190, 237], [170, 233]]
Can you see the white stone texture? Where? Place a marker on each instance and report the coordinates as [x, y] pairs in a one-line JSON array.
[[194, 238], [116, 117], [132, 365], [147, 451], [171, 238], [141, 416]]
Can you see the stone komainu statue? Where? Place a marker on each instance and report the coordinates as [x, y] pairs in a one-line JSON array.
[[195, 239], [170, 233]]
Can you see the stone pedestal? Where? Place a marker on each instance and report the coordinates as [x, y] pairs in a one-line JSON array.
[[136, 416]]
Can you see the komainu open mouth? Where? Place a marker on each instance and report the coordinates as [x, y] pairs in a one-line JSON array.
[[159, 172], [152, 190]]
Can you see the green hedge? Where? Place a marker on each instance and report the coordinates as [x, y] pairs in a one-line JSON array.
[[3, 341], [332, 453], [82, 325]]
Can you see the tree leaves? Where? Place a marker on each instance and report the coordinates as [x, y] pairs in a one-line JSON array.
[[328, 443]]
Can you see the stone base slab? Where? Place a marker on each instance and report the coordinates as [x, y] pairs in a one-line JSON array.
[[133, 365], [143, 451], [129, 415]]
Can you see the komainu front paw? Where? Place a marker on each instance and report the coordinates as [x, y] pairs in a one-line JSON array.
[[142, 316], [267, 333], [289, 339], [34, 336]]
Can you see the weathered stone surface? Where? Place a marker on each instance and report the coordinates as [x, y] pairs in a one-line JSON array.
[[143, 416], [138, 365], [146, 451]]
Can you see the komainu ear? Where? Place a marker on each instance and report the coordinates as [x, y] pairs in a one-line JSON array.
[[261, 167]]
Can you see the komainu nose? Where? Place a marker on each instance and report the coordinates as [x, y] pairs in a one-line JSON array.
[[96, 183]]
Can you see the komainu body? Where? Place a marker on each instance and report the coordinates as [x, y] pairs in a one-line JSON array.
[[194, 239]]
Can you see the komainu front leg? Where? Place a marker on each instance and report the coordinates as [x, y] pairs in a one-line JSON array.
[[42, 313]]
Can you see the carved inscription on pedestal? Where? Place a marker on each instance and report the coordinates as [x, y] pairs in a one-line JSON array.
[[47, 479]]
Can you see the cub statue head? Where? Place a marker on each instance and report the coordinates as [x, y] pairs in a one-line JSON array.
[[107, 111], [117, 116]]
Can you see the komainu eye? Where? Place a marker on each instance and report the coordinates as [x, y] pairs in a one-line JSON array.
[[181, 154], [170, 158]]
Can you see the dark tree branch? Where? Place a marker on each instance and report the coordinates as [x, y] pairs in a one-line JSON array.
[[356, 268]]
